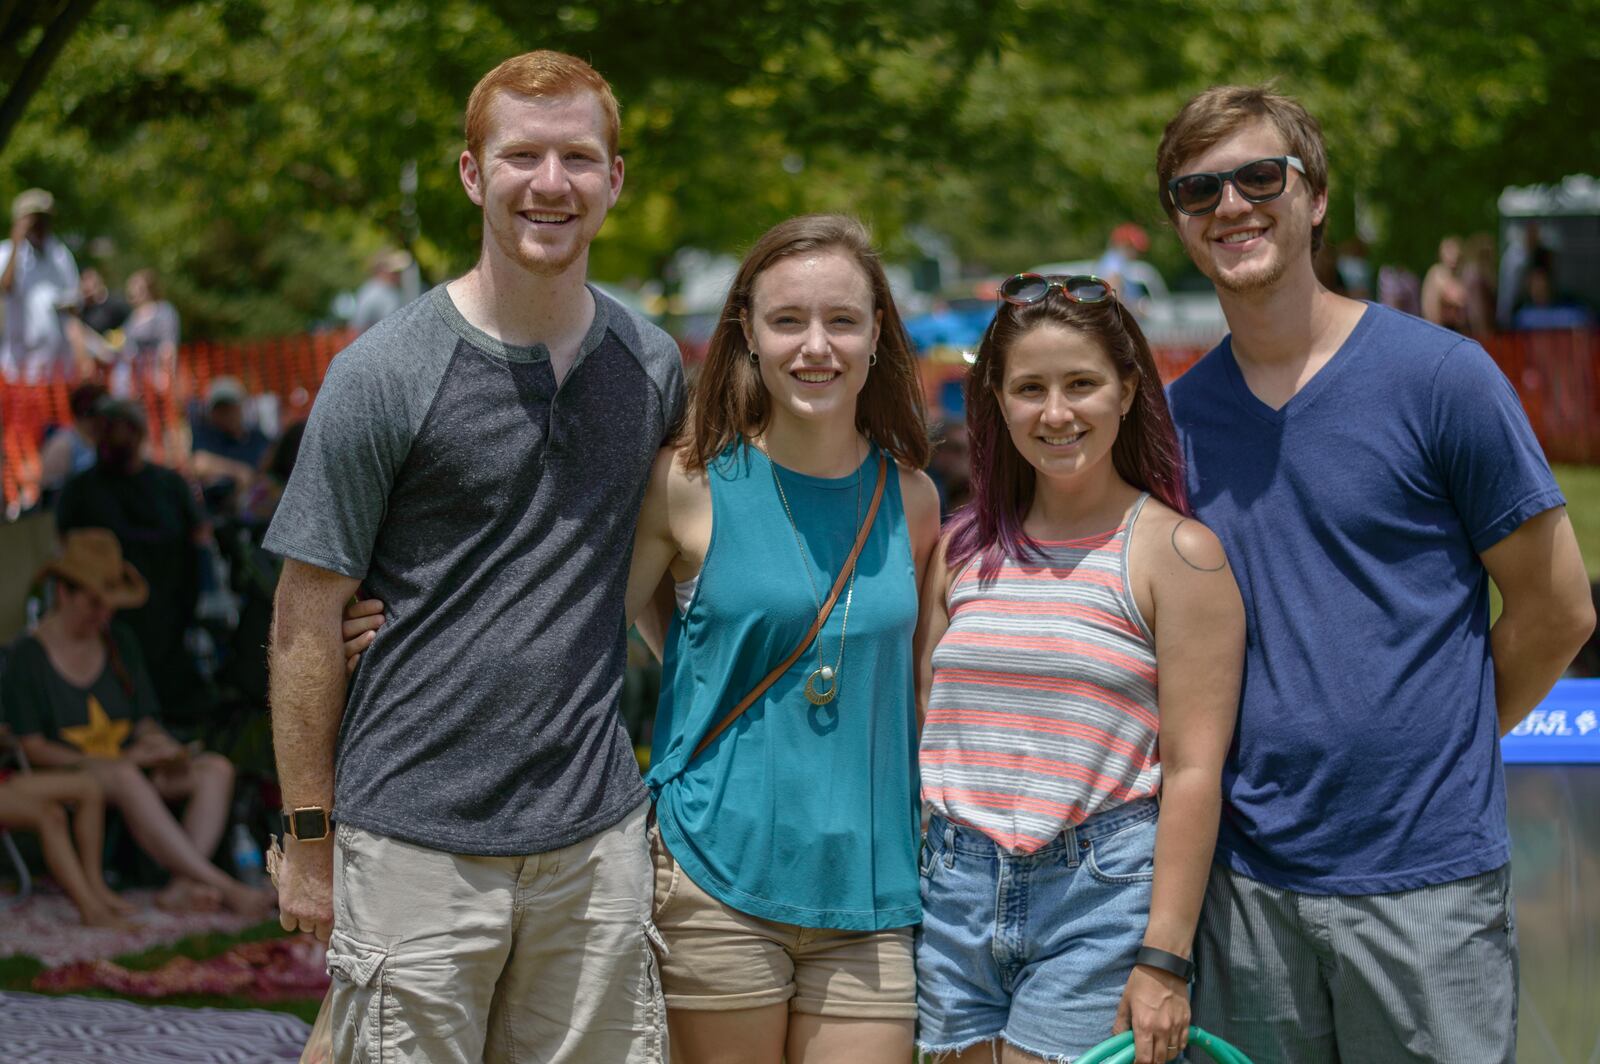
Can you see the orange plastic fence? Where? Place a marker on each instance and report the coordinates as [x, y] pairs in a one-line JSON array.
[[1556, 373], [289, 368]]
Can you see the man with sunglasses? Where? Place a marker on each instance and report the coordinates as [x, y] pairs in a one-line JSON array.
[[1368, 474]]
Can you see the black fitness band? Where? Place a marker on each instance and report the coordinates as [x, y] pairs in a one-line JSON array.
[[1182, 967]]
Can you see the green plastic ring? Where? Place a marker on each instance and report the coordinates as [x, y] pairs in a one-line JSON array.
[[1119, 1049]]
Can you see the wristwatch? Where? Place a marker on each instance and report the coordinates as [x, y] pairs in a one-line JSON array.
[[1182, 967], [308, 823]]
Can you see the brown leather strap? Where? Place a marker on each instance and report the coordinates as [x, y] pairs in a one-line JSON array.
[[816, 625]]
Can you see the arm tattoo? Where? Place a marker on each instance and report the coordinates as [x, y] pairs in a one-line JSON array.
[[1179, 552]]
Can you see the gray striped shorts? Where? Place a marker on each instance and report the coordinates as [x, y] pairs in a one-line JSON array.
[[1426, 975]]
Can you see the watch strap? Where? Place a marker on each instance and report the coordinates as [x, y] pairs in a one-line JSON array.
[[310, 823], [1150, 957]]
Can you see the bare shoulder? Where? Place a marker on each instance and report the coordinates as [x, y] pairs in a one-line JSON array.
[[685, 483], [917, 492], [1173, 540]]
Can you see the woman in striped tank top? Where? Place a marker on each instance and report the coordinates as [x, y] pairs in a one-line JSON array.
[[1081, 646]]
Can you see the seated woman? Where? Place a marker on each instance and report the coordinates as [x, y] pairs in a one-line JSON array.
[[39, 802], [77, 694]]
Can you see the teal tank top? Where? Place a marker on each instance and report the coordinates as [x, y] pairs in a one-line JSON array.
[[798, 813]]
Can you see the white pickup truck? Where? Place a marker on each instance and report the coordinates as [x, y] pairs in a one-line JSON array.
[[1169, 319]]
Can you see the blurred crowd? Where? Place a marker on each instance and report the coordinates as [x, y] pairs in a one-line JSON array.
[[63, 322], [145, 654], [1465, 289]]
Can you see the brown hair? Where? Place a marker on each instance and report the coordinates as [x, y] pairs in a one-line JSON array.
[[730, 400], [541, 74], [1145, 454], [152, 284], [119, 668], [1221, 111]]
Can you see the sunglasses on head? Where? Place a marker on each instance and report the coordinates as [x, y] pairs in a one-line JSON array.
[[1025, 289], [1256, 182]]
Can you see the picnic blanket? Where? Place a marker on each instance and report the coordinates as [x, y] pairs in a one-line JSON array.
[[42, 1029], [274, 970], [46, 926]]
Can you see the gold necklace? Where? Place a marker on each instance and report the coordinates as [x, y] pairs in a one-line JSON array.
[[827, 674]]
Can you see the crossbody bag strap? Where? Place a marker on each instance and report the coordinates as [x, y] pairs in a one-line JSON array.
[[816, 625]]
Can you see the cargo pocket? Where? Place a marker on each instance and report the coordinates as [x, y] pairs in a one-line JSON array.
[[364, 1031], [652, 994]]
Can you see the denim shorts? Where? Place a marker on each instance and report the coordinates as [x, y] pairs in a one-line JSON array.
[[1034, 949]]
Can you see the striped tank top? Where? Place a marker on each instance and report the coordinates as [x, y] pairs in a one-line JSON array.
[[1043, 706]]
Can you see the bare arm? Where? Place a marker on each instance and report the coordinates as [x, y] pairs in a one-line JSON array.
[[55, 458], [50, 753], [933, 620], [921, 502], [1198, 622], [656, 617], [1548, 612], [1199, 630], [306, 676], [19, 232], [654, 548], [209, 467]]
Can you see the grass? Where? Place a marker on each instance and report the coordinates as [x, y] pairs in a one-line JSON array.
[[1581, 485], [17, 973]]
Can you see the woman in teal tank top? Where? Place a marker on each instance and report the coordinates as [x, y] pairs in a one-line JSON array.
[[786, 876]]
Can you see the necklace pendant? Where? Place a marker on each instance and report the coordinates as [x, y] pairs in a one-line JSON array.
[[821, 698]]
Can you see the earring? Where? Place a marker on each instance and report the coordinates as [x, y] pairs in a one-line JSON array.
[[755, 359], [872, 360]]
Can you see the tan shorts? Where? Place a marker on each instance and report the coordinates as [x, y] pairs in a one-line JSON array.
[[720, 959], [456, 959]]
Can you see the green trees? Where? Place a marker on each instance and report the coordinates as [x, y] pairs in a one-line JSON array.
[[254, 150]]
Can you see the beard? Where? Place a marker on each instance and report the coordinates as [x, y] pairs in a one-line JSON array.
[[1257, 276], [505, 239]]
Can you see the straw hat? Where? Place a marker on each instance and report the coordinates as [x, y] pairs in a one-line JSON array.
[[91, 558]]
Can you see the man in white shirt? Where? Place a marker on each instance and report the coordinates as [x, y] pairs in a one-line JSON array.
[[39, 280]]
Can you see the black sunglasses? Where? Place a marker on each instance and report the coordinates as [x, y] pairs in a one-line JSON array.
[[1257, 182], [1025, 289]]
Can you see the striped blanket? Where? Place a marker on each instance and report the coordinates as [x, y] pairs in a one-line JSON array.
[[40, 1029]]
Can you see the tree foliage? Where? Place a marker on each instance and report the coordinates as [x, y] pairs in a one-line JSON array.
[[253, 150]]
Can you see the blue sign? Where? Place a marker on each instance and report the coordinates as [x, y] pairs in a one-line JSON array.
[[1563, 730]]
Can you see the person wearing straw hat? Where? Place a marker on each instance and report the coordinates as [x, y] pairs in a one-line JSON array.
[[78, 696], [158, 521], [39, 280]]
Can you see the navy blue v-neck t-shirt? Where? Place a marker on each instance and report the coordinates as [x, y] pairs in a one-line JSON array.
[[1367, 755]]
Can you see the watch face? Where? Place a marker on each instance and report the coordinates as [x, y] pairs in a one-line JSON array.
[[309, 824]]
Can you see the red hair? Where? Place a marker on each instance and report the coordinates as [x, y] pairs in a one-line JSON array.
[[541, 74]]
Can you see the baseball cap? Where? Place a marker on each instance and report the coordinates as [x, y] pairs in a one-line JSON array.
[[1132, 234], [114, 409], [32, 201], [224, 390]]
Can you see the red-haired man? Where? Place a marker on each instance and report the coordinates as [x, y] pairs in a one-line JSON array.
[[475, 460]]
